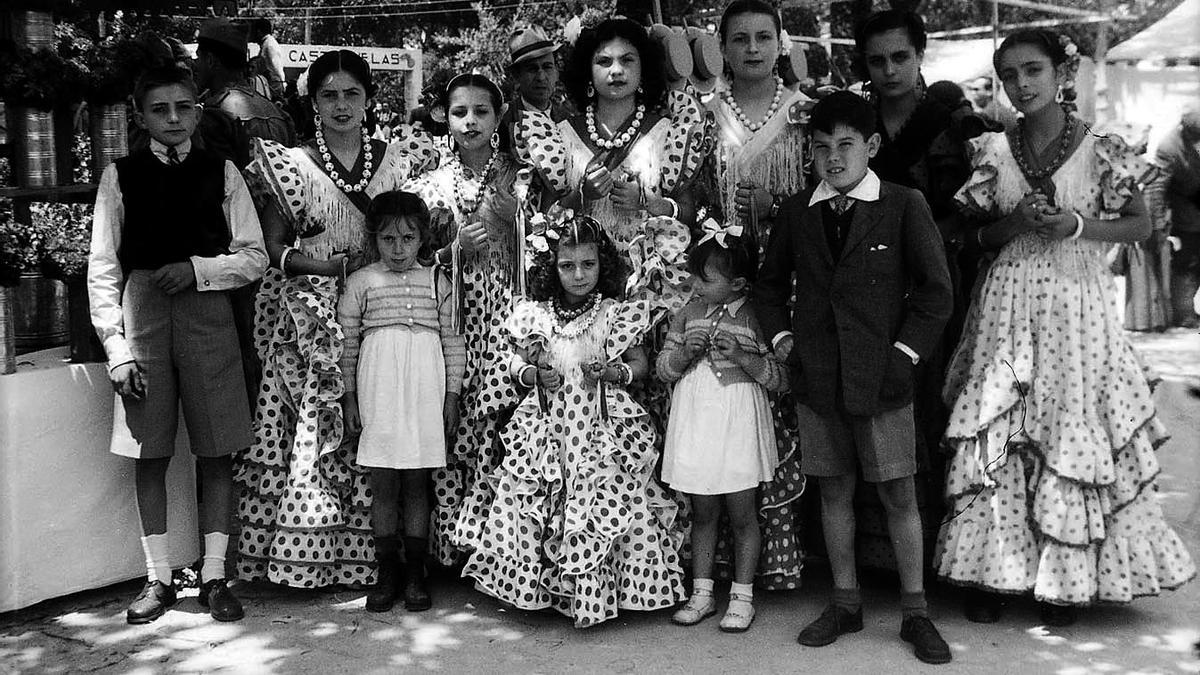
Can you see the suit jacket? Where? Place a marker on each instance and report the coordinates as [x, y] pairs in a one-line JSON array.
[[890, 284], [1181, 163]]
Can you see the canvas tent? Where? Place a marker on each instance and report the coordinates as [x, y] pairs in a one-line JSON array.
[[1154, 74]]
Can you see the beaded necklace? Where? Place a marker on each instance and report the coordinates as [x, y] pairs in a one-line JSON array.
[[620, 140], [327, 158], [741, 116], [468, 206], [1064, 146], [573, 322]]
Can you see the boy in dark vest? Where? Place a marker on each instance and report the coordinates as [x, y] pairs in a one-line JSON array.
[[872, 294], [174, 229]]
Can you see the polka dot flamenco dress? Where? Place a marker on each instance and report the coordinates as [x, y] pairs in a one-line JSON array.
[[1051, 484], [578, 522], [305, 503]]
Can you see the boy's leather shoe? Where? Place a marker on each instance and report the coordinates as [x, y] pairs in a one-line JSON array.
[[222, 604], [151, 603], [834, 621], [927, 643], [382, 595]]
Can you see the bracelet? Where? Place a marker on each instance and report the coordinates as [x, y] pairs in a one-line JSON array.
[[1078, 226], [674, 207], [624, 374], [521, 375], [283, 258]]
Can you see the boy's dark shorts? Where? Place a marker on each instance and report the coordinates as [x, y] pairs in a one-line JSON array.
[[884, 445], [187, 349]]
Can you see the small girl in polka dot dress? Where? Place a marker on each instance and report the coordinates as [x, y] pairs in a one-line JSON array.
[[578, 522], [1051, 482], [720, 441], [403, 366]]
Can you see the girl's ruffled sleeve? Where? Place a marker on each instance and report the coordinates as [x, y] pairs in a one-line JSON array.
[[627, 326], [1122, 172], [659, 259], [685, 149], [977, 196], [529, 325], [273, 176], [415, 151], [539, 142]]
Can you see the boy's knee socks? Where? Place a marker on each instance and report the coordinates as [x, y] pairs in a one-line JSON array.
[[215, 544], [158, 563]]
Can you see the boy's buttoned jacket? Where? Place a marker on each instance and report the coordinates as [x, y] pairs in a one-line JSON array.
[[890, 284]]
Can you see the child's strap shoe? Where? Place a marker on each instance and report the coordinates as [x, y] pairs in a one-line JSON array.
[[698, 608], [739, 615]]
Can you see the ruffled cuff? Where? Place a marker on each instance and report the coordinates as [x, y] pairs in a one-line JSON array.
[[978, 195], [1122, 172]]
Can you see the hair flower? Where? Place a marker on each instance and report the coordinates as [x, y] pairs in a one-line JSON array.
[[785, 43]]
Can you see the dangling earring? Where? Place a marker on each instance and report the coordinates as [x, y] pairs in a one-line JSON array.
[[495, 140], [451, 144], [317, 122], [591, 91], [640, 91]]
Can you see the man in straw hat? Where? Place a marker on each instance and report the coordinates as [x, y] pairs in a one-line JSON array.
[[533, 68]]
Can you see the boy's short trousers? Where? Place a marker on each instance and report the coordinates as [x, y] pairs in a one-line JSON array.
[[187, 349], [884, 445]]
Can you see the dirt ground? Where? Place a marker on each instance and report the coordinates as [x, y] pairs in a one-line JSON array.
[[289, 631]]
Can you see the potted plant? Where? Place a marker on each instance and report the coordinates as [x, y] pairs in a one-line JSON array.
[[32, 83], [109, 69]]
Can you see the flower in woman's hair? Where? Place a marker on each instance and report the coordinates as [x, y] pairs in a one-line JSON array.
[[785, 43]]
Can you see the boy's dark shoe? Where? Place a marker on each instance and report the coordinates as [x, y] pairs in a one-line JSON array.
[[416, 591], [1057, 615], [834, 621], [221, 603], [151, 603], [927, 643], [382, 595]]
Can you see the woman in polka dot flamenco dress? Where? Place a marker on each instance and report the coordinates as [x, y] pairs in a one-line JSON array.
[[476, 198], [578, 522], [305, 503], [1051, 486], [627, 159], [756, 163]]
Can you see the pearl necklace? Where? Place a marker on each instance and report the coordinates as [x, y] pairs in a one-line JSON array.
[[460, 176], [741, 116], [327, 158], [620, 140], [573, 322], [1064, 146]]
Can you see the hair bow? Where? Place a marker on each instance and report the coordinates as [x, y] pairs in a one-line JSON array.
[[714, 230]]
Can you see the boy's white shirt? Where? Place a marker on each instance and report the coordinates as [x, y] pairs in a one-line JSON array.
[[867, 190], [245, 262]]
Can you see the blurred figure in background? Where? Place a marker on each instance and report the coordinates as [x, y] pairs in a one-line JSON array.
[[1175, 200]]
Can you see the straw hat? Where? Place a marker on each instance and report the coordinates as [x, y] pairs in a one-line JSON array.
[[529, 43]]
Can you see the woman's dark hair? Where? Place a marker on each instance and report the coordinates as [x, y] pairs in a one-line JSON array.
[[473, 80], [163, 75], [733, 260], [389, 207], [890, 19], [579, 73], [1043, 40], [543, 276], [739, 7], [339, 60]]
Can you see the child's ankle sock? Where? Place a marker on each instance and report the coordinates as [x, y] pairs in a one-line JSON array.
[[913, 604], [158, 558], [702, 586], [215, 544], [849, 599], [744, 590]]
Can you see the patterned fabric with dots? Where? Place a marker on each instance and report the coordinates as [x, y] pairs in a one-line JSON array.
[[1051, 485], [578, 522]]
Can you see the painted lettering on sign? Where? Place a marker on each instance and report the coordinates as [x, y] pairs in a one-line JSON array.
[[379, 58]]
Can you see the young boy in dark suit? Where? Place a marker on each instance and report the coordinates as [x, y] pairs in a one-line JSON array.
[[174, 227], [872, 294]]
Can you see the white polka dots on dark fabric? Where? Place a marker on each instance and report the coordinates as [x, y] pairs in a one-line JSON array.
[[305, 504], [463, 489], [578, 522], [1053, 428]]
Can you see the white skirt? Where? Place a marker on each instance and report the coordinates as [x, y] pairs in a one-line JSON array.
[[401, 388], [720, 437]]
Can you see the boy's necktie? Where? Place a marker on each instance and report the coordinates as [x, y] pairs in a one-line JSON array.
[[172, 156], [841, 203]]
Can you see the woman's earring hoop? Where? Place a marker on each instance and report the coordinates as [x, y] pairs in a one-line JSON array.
[[591, 91], [495, 140]]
